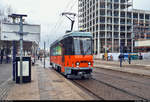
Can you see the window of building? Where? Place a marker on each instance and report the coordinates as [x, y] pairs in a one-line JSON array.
[[109, 20], [116, 1], [102, 27], [102, 34], [128, 35], [122, 28], [102, 20], [96, 27], [141, 16], [135, 15], [147, 16], [129, 15], [122, 14], [122, 21], [102, 12], [116, 13], [122, 35], [116, 20], [123, 6], [102, 5], [109, 6], [129, 21], [116, 6], [116, 35], [109, 13], [122, 1], [116, 28], [109, 35]]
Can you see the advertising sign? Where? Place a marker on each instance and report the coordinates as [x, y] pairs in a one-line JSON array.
[[25, 68], [142, 43], [9, 32]]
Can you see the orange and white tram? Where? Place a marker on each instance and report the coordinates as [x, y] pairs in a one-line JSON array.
[[72, 56]]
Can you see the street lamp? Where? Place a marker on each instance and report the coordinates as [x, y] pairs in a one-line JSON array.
[[21, 33]]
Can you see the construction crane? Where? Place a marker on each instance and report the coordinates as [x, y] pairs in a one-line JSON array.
[[70, 16]]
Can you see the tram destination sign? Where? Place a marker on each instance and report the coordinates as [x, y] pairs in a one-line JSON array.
[[9, 32]]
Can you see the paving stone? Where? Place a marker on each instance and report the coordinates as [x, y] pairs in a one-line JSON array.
[[46, 85]]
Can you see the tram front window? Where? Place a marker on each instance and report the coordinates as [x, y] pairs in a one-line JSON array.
[[82, 46]]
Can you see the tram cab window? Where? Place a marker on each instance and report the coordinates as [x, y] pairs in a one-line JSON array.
[[68, 46], [82, 45]]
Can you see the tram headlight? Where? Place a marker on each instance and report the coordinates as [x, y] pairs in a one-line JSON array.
[[89, 63], [77, 63]]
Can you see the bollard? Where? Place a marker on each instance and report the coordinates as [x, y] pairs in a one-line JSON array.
[[129, 58]]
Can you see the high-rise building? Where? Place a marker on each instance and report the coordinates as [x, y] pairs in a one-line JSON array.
[[111, 23], [141, 30]]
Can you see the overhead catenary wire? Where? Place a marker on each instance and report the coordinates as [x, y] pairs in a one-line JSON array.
[[70, 6], [61, 21], [60, 18], [69, 10]]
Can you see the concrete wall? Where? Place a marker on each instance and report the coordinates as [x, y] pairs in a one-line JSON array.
[[146, 55], [115, 56]]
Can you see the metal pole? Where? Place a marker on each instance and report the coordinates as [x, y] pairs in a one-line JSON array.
[[14, 61], [14, 56], [21, 49], [44, 54]]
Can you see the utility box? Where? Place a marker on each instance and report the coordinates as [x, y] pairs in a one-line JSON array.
[[26, 70]]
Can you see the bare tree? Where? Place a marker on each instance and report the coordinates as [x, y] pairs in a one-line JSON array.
[[1, 15], [4, 12]]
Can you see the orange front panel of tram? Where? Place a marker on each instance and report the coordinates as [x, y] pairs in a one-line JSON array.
[[71, 60]]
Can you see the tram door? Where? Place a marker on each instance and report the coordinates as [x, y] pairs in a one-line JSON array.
[[63, 58]]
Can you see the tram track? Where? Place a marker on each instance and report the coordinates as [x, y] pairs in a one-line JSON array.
[[105, 91], [134, 86], [122, 90], [148, 84], [97, 97], [105, 95], [87, 89]]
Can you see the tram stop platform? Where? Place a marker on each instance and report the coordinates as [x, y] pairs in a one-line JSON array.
[[139, 67], [46, 84]]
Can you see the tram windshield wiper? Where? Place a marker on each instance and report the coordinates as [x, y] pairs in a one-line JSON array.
[[81, 47], [87, 50]]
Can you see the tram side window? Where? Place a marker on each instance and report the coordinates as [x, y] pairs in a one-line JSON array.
[[53, 51], [56, 50]]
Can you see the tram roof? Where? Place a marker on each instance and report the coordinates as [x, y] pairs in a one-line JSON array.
[[73, 34]]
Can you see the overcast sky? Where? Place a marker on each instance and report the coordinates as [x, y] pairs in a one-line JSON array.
[[47, 13]]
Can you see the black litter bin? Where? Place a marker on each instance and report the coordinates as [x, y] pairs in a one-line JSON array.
[[26, 77]]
